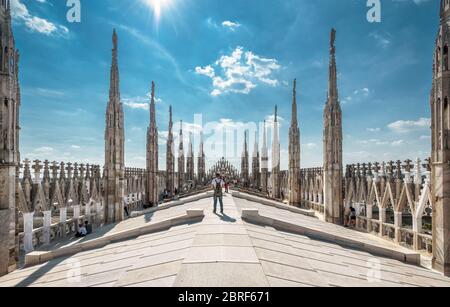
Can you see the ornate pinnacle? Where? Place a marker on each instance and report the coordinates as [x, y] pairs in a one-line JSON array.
[[82, 170], [332, 41], [294, 105], [376, 167], [427, 164], [369, 169], [114, 39], [75, 167], [46, 170], [408, 166], [88, 173], [54, 169]]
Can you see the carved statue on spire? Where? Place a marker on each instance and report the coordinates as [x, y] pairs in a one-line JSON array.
[[332, 41]]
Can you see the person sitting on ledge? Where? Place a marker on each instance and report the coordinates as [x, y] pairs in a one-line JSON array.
[[82, 232]]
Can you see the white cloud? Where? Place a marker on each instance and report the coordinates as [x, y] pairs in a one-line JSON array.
[[140, 102], [309, 145], [136, 105], [270, 119], [382, 40], [21, 14], [398, 143], [357, 95], [206, 71], [373, 129], [44, 150], [403, 126], [231, 25], [240, 72]]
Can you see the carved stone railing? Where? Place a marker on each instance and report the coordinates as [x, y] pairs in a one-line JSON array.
[[391, 199], [311, 183], [379, 190], [54, 198]]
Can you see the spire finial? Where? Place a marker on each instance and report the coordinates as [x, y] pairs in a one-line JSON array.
[[8, 12], [332, 83], [332, 41], [294, 104], [153, 90], [276, 113], [295, 87], [115, 40], [114, 78]]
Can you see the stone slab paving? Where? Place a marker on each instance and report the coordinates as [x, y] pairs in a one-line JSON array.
[[222, 250]]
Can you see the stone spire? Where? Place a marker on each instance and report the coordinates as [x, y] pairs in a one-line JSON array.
[[332, 146], [294, 121], [444, 10], [152, 195], [276, 192], [170, 157], [181, 161], [114, 75], [201, 167], [440, 152], [190, 162], [332, 82], [9, 142], [244, 162], [294, 154], [114, 145], [264, 162], [256, 176]]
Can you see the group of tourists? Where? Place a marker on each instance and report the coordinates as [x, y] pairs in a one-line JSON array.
[[84, 230]]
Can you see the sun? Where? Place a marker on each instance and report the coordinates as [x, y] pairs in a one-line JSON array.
[[158, 6]]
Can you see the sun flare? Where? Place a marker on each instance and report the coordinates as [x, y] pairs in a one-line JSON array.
[[158, 6]]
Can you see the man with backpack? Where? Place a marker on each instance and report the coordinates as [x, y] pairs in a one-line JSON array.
[[218, 185]]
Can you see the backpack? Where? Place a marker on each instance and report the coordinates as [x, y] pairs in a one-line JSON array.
[[218, 188]]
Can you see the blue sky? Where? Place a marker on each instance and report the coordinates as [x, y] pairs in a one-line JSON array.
[[194, 53]]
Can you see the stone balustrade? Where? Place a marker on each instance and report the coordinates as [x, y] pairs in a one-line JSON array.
[[392, 199], [55, 197]]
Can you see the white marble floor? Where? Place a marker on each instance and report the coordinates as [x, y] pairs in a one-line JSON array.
[[222, 250]]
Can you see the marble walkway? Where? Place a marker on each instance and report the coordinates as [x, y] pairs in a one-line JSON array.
[[222, 250]]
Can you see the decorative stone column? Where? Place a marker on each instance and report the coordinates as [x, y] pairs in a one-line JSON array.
[[382, 218], [332, 146], [46, 227], [87, 212], [98, 214], [62, 221], [417, 229], [369, 215], [76, 216], [28, 232], [398, 217]]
